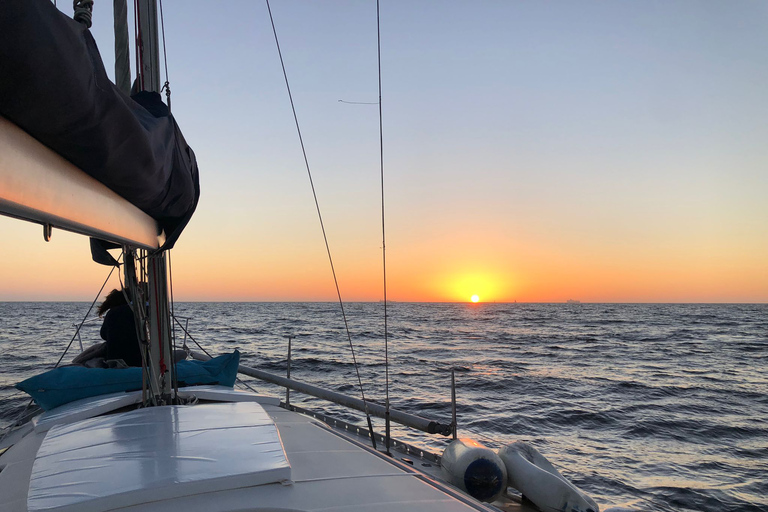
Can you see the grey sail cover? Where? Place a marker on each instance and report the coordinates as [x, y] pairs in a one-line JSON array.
[[54, 86]]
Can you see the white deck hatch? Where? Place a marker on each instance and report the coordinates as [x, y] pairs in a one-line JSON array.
[[155, 454]]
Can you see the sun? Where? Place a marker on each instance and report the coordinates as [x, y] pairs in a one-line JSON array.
[[475, 298]]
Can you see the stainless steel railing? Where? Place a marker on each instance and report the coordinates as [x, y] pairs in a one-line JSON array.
[[403, 418]]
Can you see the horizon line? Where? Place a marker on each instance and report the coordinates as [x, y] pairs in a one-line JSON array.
[[579, 303]]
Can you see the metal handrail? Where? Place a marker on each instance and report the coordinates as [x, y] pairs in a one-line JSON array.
[[403, 418]]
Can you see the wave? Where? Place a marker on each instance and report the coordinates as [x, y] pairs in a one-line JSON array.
[[646, 405]]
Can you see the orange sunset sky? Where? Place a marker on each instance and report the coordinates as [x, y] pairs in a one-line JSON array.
[[538, 152]]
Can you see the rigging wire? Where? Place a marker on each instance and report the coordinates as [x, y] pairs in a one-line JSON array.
[[139, 45], [136, 42], [139, 315], [77, 331], [155, 292], [167, 88], [383, 238], [166, 85], [186, 333], [322, 225], [174, 377]]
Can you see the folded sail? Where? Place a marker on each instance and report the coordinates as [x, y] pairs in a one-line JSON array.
[[54, 86]]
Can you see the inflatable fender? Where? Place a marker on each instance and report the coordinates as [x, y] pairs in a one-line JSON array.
[[474, 469], [538, 480]]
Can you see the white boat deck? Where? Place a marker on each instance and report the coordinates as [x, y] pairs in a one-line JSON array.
[[327, 473]]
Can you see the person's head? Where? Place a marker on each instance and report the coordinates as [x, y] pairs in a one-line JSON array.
[[113, 299]]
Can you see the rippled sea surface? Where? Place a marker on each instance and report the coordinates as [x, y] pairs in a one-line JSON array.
[[648, 406]]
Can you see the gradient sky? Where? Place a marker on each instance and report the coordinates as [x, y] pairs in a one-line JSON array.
[[534, 151]]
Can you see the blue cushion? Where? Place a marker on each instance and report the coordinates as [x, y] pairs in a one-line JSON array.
[[69, 383], [220, 370]]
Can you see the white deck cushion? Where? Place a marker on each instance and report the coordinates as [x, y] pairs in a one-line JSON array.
[[155, 454]]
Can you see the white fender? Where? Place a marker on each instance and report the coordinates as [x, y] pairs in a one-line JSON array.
[[474, 469], [538, 480]]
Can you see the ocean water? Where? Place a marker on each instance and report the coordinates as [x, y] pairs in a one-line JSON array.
[[648, 406]]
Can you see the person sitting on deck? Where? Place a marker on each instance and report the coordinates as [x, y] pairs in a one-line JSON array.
[[119, 329]]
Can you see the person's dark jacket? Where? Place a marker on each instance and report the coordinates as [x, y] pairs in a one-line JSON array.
[[119, 331]]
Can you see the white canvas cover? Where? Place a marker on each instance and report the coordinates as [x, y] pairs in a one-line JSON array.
[[154, 454], [85, 408]]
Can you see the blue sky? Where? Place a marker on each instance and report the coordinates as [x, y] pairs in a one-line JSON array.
[[537, 150]]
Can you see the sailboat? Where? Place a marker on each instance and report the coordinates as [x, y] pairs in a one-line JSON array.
[[156, 443]]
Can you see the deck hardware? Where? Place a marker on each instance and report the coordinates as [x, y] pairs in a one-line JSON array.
[[408, 461], [47, 232], [453, 401]]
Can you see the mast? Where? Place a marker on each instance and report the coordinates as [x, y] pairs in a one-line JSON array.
[[148, 47], [160, 354]]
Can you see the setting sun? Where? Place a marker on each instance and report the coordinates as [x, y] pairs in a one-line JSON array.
[[477, 286]]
